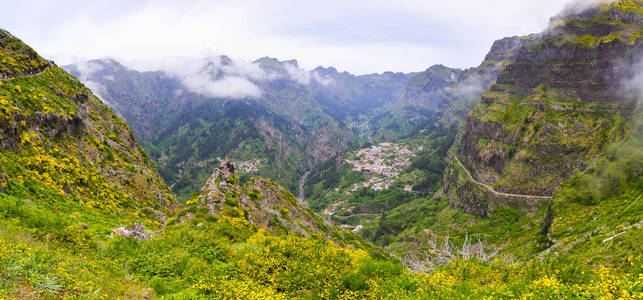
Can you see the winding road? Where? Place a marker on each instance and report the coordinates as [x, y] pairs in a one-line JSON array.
[[332, 215], [488, 187]]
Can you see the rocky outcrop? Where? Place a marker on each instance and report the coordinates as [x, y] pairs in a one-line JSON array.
[[424, 90], [591, 74], [448, 94], [263, 201], [3, 182], [473, 198], [50, 125], [136, 231], [265, 204]]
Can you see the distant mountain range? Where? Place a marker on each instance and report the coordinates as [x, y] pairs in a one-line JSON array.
[[287, 120]]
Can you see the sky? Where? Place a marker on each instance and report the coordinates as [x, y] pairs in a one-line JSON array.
[[351, 35]]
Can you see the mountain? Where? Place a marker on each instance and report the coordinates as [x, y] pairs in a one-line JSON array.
[[556, 108], [279, 134], [77, 193], [544, 140], [549, 162], [299, 120], [296, 120], [59, 142], [83, 212]]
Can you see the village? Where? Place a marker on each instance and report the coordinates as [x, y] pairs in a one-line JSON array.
[[248, 166], [384, 161]]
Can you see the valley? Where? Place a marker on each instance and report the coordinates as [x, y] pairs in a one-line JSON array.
[[521, 177]]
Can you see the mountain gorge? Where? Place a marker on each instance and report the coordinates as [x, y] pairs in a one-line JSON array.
[[280, 134], [518, 178], [298, 121]]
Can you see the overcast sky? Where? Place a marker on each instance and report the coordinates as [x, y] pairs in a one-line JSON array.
[[357, 36]]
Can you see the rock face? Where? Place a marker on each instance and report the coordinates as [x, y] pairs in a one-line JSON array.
[[553, 110], [446, 95], [263, 202], [424, 91]]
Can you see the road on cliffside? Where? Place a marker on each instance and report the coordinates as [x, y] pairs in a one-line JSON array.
[[488, 187]]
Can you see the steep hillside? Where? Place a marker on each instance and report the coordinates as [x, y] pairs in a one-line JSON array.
[[295, 121], [76, 192], [59, 143], [549, 162], [268, 205], [444, 95], [554, 110], [517, 148]]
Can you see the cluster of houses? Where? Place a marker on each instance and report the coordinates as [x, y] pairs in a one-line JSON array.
[[385, 159], [248, 166], [375, 183], [382, 164], [337, 206]]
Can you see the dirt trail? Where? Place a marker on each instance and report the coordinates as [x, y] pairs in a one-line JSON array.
[[488, 187], [355, 215], [332, 215], [34, 73]]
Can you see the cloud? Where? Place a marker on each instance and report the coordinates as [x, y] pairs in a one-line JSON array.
[[322, 80], [359, 36], [220, 76], [85, 70], [299, 75], [228, 86], [214, 75], [633, 86], [574, 7], [578, 6], [304, 77]]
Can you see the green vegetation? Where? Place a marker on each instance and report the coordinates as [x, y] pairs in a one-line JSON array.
[[227, 257], [188, 147], [632, 6], [333, 182], [18, 59], [84, 215]]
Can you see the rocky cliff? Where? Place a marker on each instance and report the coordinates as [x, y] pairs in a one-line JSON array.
[[554, 109], [445, 95]]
